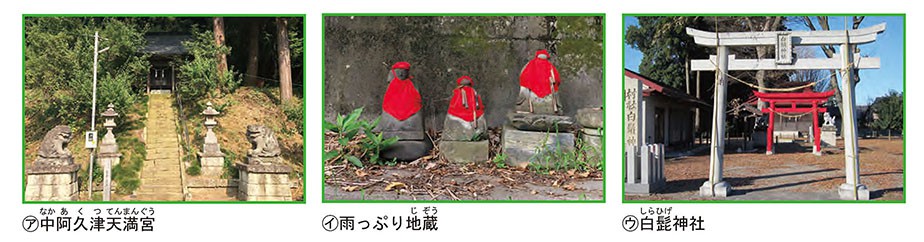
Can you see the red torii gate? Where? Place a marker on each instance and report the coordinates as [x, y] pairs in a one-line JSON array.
[[793, 99]]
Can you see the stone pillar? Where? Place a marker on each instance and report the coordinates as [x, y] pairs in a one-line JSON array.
[[644, 163], [715, 186], [852, 189], [211, 159], [264, 176], [109, 155], [53, 175]]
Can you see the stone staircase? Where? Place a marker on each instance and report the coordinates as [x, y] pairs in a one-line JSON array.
[[161, 175]]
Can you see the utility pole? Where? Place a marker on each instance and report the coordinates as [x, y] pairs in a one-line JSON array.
[[106, 174]]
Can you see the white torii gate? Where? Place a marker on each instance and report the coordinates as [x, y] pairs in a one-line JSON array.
[[784, 42]]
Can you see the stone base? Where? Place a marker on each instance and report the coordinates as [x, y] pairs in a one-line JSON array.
[[846, 192], [721, 189], [590, 117], [828, 136], [58, 183], [523, 147], [406, 150], [638, 188], [465, 151], [593, 147], [262, 182], [212, 165], [540, 122]]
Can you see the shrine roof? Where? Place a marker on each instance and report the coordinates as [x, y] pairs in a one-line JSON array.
[[664, 89]]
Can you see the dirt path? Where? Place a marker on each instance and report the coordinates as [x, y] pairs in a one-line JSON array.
[[793, 173]]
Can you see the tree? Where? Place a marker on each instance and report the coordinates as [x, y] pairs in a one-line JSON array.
[[888, 111], [285, 63], [218, 30], [59, 67], [830, 50], [253, 53], [199, 72]]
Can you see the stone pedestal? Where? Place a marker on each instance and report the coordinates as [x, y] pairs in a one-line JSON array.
[[530, 146], [464, 151], [52, 182], [828, 136], [211, 165], [264, 182], [846, 192], [721, 189], [412, 142]]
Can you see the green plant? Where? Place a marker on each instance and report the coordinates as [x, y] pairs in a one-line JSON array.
[[295, 112], [500, 160], [200, 74], [354, 148]]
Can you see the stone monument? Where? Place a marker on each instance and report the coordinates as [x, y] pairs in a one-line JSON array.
[[53, 175], [109, 155], [644, 163], [828, 132], [536, 129], [464, 139], [264, 176], [401, 117], [211, 159]]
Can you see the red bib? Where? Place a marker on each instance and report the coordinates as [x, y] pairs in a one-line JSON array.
[[536, 75], [465, 103], [401, 99]]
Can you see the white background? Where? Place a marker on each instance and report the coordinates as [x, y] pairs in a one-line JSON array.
[[463, 222]]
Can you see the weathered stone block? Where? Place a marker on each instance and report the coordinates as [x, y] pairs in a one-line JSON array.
[[465, 151], [264, 182], [541, 122], [593, 148], [407, 150], [212, 165], [529, 146], [43, 185], [846, 192], [590, 117], [457, 129]]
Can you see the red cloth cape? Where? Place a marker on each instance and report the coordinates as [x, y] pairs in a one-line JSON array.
[[475, 107], [401, 99], [536, 75]]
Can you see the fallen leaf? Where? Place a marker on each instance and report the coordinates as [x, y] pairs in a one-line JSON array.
[[395, 185], [551, 173], [430, 165], [584, 174], [360, 173], [571, 172], [534, 192], [523, 166], [350, 188], [569, 187]]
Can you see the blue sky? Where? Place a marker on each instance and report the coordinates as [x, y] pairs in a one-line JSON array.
[[889, 47]]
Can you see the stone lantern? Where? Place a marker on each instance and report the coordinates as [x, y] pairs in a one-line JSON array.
[[108, 148], [211, 158]]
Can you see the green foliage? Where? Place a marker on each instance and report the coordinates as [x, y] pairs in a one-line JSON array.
[[126, 174], [500, 160], [195, 168], [200, 74], [230, 170], [367, 148], [558, 158], [295, 112], [889, 111], [59, 66]]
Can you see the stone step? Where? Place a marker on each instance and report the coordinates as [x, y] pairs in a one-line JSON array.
[[160, 197]]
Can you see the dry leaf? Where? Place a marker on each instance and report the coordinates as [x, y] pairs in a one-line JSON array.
[[571, 172], [350, 188], [551, 173], [395, 185], [430, 165], [360, 173], [569, 187], [584, 174], [523, 166], [534, 192]]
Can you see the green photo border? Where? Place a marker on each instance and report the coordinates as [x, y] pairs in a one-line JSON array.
[[904, 86], [323, 69], [304, 104]]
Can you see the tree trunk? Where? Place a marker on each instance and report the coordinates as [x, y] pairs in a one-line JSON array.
[[285, 63], [253, 53], [218, 30]]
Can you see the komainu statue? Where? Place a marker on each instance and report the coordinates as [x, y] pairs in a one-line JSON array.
[[54, 147], [263, 144]]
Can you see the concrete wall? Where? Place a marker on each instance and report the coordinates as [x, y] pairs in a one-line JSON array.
[[358, 53]]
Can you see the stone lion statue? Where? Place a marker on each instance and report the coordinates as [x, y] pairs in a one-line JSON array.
[[263, 142], [54, 146]]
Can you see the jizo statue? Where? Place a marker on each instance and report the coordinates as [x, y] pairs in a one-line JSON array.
[[539, 83]]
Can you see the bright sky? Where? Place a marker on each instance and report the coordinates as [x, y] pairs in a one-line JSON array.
[[889, 47]]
